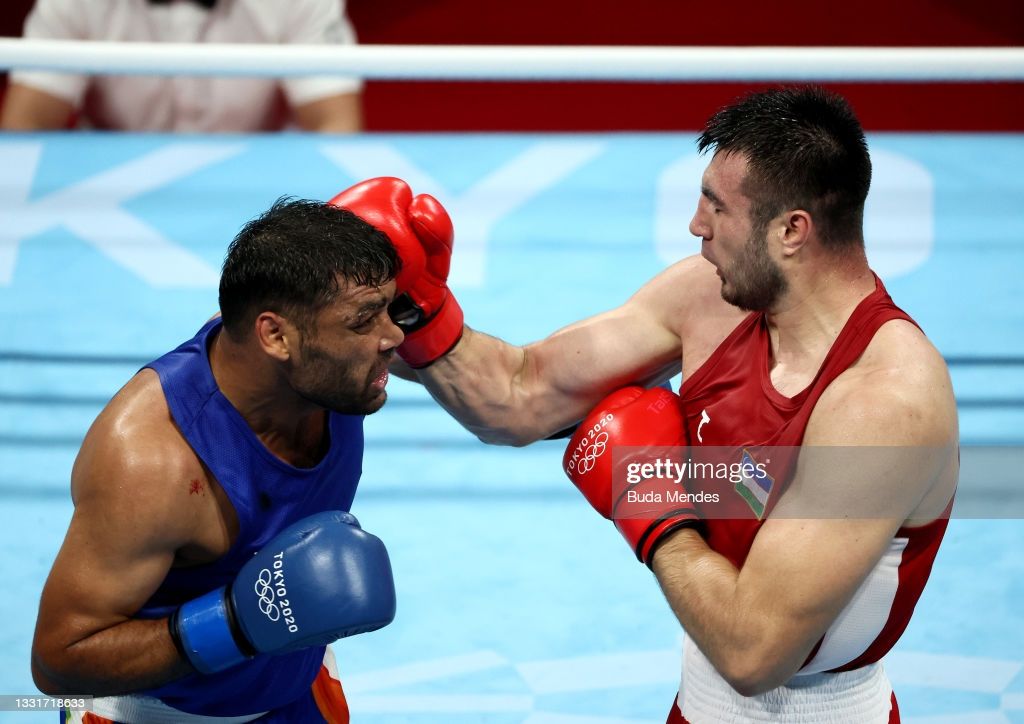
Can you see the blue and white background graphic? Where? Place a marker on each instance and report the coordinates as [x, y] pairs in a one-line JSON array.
[[516, 602]]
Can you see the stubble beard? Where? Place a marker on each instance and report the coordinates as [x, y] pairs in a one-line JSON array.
[[754, 282]]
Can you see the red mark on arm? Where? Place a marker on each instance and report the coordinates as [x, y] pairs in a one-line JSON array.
[[196, 487]]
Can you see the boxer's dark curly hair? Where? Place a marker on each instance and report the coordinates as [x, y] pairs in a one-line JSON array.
[[805, 149], [288, 261]]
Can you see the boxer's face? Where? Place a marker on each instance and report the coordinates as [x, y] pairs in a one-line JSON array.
[[343, 358], [753, 281], [738, 247]]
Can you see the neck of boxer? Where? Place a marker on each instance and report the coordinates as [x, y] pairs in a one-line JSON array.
[[290, 427], [821, 294]]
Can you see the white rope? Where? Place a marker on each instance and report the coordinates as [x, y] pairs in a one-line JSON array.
[[616, 63]]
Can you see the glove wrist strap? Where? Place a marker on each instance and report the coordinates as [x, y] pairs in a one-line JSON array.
[[644, 536], [204, 629], [436, 338]]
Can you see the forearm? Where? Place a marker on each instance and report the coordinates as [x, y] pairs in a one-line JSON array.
[[508, 395], [482, 383], [737, 633], [334, 114], [137, 654], [29, 109]]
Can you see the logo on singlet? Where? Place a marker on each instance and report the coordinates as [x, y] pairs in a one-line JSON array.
[[705, 418], [755, 484]]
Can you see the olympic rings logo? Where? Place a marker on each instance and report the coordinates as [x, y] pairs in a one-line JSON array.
[[592, 453], [266, 594]]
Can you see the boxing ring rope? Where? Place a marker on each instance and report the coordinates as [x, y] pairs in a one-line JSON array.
[[610, 63]]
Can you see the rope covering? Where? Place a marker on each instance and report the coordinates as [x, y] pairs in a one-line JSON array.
[[607, 63]]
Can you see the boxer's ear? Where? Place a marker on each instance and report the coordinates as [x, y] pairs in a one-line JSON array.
[[276, 336]]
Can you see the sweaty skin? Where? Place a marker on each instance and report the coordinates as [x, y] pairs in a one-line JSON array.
[[756, 625], [144, 502]]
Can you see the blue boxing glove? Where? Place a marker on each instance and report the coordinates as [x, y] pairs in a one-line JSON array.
[[319, 580]]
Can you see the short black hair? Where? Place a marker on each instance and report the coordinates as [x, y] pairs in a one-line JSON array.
[[805, 149], [288, 260]]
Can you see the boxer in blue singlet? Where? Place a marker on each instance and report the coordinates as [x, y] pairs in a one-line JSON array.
[[211, 556]]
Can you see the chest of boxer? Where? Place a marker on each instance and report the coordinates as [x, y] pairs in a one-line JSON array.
[[743, 435]]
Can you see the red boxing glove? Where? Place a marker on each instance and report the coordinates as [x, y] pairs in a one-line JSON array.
[[422, 233], [636, 487]]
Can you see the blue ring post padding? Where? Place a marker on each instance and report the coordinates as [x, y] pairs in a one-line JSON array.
[[206, 634]]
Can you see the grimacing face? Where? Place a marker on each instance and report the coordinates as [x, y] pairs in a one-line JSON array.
[[732, 240], [343, 359]]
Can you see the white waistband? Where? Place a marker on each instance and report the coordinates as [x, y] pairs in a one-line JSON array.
[[862, 696], [139, 709]]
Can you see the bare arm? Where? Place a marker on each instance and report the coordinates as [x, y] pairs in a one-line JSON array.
[[757, 625], [43, 100], [322, 104], [29, 109], [341, 113], [513, 395], [128, 522]]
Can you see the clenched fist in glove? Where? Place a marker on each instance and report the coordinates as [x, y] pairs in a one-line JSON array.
[[422, 233], [318, 580], [636, 487]]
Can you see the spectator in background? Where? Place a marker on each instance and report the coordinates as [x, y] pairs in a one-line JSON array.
[[202, 104]]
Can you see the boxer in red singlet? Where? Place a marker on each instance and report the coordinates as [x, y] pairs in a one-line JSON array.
[[784, 337]]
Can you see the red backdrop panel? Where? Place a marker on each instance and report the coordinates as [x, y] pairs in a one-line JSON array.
[[465, 106], [468, 106]]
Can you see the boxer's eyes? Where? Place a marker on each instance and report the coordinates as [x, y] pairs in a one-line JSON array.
[[365, 323]]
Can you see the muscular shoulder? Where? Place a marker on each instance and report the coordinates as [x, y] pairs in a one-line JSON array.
[[883, 436], [134, 460], [687, 299], [898, 392], [688, 295]]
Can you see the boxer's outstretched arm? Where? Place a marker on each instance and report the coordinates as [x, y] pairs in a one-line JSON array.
[[513, 395], [502, 393]]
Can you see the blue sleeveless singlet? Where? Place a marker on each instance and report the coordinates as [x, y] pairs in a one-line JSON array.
[[268, 495]]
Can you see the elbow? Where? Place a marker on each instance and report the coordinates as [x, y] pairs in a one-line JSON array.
[[505, 438], [46, 686], [506, 434], [45, 680], [519, 433], [751, 674], [750, 685], [56, 670]]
